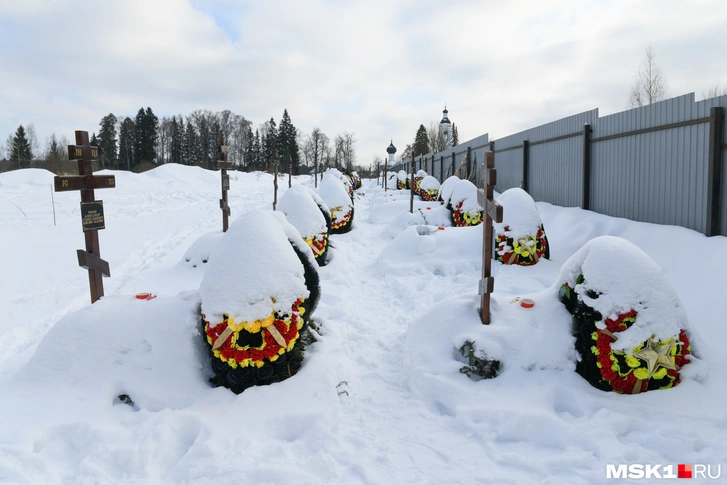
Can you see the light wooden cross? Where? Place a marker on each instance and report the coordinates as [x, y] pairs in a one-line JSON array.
[[493, 212], [92, 216], [224, 165]]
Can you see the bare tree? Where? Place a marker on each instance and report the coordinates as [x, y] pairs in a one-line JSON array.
[[714, 92], [315, 147], [32, 140], [437, 142], [649, 85]]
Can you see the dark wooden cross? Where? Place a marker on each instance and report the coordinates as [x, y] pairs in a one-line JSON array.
[[275, 181], [493, 212], [411, 186], [290, 172], [224, 165], [92, 217], [386, 175]]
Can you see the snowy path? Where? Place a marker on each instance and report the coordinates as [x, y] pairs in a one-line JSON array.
[[385, 435]]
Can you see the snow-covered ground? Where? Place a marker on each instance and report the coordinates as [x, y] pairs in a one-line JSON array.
[[379, 399]]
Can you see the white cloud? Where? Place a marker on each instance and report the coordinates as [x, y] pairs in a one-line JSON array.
[[375, 68]]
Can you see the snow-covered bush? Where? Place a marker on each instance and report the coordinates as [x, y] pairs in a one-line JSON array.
[[429, 188], [304, 214], [257, 296], [520, 238], [631, 329], [335, 195], [466, 211]]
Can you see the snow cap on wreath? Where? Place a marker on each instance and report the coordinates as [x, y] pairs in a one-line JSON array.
[[631, 330], [445, 190], [429, 188], [302, 212], [520, 215], [465, 192], [625, 278], [334, 193], [254, 272], [401, 175]]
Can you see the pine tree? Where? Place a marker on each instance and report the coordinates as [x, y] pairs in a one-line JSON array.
[[107, 141], [249, 153], [421, 142], [270, 143], [127, 142], [288, 142], [190, 144], [146, 138], [20, 153], [455, 135], [177, 139], [257, 152]]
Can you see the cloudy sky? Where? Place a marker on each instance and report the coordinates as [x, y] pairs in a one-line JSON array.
[[376, 68]]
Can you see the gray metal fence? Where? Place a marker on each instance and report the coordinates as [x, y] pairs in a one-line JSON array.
[[662, 163]]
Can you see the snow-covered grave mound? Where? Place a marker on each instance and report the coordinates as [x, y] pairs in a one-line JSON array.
[[257, 295], [520, 238], [305, 215], [146, 350], [445, 190], [466, 211], [336, 196], [429, 188], [402, 180], [436, 249], [631, 329], [425, 213], [200, 251]]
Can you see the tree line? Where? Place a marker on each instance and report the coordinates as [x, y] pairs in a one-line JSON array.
[[145, 141]]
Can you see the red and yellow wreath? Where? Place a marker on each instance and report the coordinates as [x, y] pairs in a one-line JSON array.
[[430, 195], [652, 364], [342, 221], [400, 184], [524, 251], [463, 218], [318, 244], [279, 334], [417, 183]]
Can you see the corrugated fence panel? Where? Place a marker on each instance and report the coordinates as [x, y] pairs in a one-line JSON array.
[[723, 103], [556, 167], [657, 177], [509, 161]]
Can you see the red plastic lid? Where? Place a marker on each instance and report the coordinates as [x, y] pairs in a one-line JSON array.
[[527, 303], [145, 296]]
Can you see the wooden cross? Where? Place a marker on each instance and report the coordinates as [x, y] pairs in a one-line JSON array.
[[275, 181], [411, 187], [290, 171], [493, 212], [92, 217], [224, 165]]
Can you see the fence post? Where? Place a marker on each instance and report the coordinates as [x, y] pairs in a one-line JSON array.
[[714, 171], [526, 165], [469, 161], [586, 202]]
